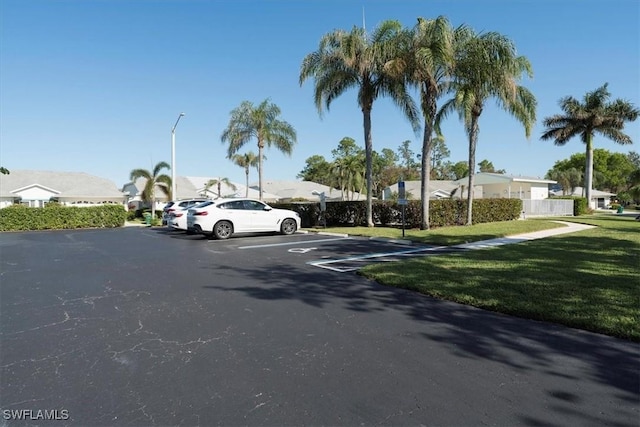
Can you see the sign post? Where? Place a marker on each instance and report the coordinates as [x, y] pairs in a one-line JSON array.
[[402, 200]]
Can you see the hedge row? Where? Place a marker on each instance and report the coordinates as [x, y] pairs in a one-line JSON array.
[[444, 212], [56, 217]]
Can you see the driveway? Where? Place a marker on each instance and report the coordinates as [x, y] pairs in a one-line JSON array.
[[136, 326]]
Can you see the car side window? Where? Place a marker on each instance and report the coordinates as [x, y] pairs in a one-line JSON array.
[[254, 205], [232, 205]]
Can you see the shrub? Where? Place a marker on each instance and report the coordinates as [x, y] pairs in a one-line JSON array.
[[444, 212], [52, 217], [580, 204]]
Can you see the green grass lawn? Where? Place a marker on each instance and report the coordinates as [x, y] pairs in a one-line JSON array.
[[451, 235], [588, 279]]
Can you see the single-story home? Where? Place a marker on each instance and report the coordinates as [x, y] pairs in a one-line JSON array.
[[35, 188], [240, 190], [438, 189], [307, 190], [495, 185], [599, 199], [184, 189]]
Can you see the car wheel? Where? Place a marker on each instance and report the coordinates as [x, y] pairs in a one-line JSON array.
[[223, 230], [288, 226]]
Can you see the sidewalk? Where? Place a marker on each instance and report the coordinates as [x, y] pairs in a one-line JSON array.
[[518, 238]]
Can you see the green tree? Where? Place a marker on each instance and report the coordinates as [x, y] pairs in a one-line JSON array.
[[317, 169], [262, 123], [439, 152], [487, 66], [346, 60], [460, 170], [4, 171], [246, 161], [154, 179], [611, 171], [568, 179], [594, 115], [217, 182], [350, 172], [487, 167]]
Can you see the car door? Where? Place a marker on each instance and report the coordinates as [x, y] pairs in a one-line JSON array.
[[236, 212], [263, 218]]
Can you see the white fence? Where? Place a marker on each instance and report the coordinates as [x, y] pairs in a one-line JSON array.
[[547, 207]]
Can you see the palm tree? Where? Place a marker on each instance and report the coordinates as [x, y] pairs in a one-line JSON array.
[[218, 182], [487, 66], [154, 179], [427, 63], [594, 115], [346, 60], [246, 161], [349, 172], [260, 122]]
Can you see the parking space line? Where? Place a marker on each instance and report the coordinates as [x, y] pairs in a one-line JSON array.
[[324, 263], [270, 245]]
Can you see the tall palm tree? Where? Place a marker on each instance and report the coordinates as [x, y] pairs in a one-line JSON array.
[[427, 63], [260, 122], [349, 172], [154, 179], [346, 60], [218, 182], [246, 161], [487, 66], [594, 115]]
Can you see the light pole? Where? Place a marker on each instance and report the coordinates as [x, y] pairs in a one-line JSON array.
[[174, 196]]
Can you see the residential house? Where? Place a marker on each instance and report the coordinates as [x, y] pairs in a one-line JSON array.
[[238, 190], [307, 190], [184, 189], [438, 189], [495, 185], [599, 199], [37, 188]]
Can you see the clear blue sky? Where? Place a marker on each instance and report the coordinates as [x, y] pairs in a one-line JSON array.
[[96, 85]]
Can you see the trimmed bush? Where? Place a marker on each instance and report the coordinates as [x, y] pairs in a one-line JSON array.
[[580, 204], [442, 213], [56, 217]]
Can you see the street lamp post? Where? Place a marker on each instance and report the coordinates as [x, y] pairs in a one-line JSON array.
[[173, 159]]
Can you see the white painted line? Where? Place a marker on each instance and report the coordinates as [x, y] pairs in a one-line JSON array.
[[270, 245], [378, 255]]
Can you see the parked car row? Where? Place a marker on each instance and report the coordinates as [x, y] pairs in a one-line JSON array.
[[222, 218]]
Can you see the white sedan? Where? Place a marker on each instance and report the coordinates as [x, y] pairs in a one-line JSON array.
[[224, 217]]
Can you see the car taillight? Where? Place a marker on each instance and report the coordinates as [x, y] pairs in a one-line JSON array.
[[178, 214], [203, 213]]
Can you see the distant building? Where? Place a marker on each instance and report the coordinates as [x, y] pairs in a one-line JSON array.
[[495, 186], [37, 188]]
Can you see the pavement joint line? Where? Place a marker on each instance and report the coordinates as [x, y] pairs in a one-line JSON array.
[[376, 255]]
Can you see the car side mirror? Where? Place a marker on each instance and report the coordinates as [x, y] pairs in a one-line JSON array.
[[267, 208]]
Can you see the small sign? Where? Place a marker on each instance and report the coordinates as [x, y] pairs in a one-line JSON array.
[[401, 192], [402, 202]]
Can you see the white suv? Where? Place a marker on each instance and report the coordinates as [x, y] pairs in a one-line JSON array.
[[224, 217]]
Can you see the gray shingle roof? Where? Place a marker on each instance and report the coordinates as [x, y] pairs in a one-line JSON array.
[[68, 184]]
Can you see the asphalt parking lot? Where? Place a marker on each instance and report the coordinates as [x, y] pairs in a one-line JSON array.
[[138, 326]]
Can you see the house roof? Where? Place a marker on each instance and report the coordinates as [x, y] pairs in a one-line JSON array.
[[414, 187], [304, 190], [485, 178], [199, 182], [66, 184], [184, 188], [578, 192]]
